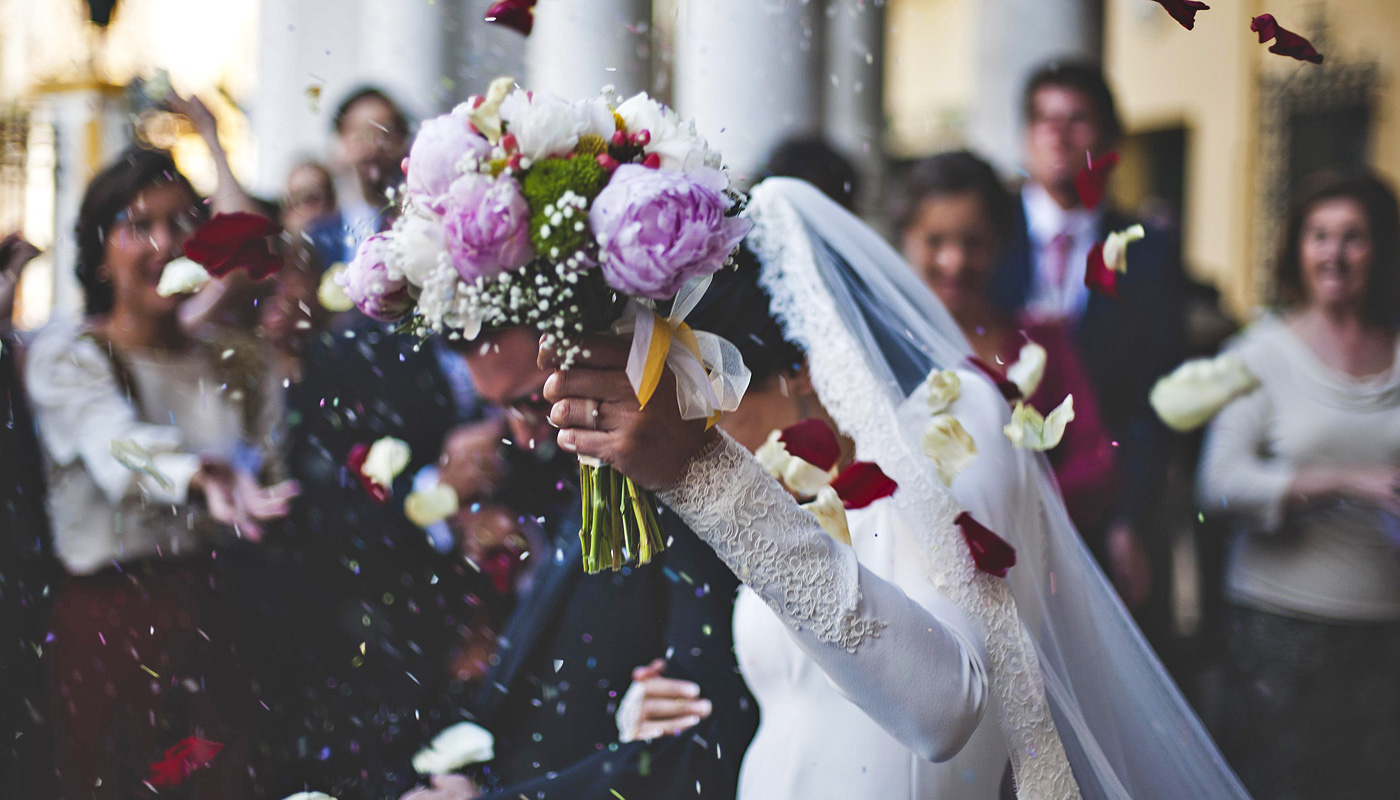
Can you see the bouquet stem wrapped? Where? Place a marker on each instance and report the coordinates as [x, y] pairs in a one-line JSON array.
[[619, 519]]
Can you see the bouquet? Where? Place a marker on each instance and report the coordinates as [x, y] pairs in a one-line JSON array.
[[522, 208]]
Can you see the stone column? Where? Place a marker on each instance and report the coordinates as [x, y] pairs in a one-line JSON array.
[[1014, 37], [854, 109], [401, 50], [579, 46], [750, 73]]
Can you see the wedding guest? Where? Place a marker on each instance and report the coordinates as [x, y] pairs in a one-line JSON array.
[[953, 221], [310, 197], [372, 133], [1308, 468], [151, 465], [567, 652], [27, 565], [1125, 346]]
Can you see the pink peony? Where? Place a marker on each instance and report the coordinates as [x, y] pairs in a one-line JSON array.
[[440, 144], [367, 282], [659, 228], [486, 222]]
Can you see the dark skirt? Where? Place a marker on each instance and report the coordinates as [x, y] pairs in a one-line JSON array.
[[1313, 709], [140, 660]]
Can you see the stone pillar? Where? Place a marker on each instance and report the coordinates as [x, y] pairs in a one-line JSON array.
[[854, 109], [90, 128], [579, 46], [1014, 37], [750, 73], [401, 50]]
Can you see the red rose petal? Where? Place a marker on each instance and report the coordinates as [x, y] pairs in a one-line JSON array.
[[1005, 385], [200, 752], [234, 241], [813, 441], [1098, 277], [861, 484], [181, 759], [356, 462], [991, 553], [1183, 11], [514, 14], [1286, 42], [1091, 180]]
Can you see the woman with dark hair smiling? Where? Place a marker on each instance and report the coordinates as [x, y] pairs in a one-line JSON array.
[[952, 222], [1308, 465], [150, 461]]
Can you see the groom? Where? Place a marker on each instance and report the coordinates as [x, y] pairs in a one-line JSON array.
[[567, 653]]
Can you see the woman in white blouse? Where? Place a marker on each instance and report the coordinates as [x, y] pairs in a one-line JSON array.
[[151, 456], [1308, 466]]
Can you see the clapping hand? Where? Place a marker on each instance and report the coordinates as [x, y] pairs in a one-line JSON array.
[[235, 498], [597, 413], [655, 706]]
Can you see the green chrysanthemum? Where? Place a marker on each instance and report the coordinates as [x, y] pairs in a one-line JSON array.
[[553, 188]]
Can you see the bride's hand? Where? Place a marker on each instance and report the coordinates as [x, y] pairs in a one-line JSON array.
[[655, 706], [598, 416]]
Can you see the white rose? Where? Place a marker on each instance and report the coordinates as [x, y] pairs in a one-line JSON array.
[[944, 387], [543, 124], [462, 744], [673, 139], [416, 245], [831, 513], [1030, 431], [950, 446], [386, 459], [181, 276], [430, 506], [1197, 390], [1028, 369]]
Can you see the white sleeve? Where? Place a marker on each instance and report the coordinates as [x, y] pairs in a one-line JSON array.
[[1237, 475], [80, 409], [914, 675]]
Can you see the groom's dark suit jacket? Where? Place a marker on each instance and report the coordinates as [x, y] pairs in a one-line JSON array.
[[565, 660], [1125, 346]]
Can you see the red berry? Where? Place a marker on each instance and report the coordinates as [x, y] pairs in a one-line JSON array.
[[514, 161], [652, 161], [474, 102], [403, 165], [641, 138], [607, 162], [619, 139], [510, 143]]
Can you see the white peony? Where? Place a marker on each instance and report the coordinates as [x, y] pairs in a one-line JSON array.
[[673, 139], [944, 387], [543, 124], [1028, 430], [181, 276], [831, 513], [950, 446], [417, 245], [1028, 369], [462, 744], [595, 117], [430, 506], [1197, 390], [386, 459]]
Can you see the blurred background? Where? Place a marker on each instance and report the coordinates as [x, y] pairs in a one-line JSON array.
[[1219, 130]]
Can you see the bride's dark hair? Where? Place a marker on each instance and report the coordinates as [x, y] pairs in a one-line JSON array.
[[737, 308]]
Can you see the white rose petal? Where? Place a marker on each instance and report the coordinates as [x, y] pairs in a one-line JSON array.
[[773, 455], [331, 292], [139, 460], [487, 116], [804, 478], [181, 276], [1115, 247], [1197, 390], [386, 459], [944, 387], [308, 796], [950, 446], [1028, 369], [430, 506], [831, 513], [462, 744], [673, 139], [1030, 431]]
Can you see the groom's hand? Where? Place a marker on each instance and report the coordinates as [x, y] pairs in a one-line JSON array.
[[446, 787], [597, 413]]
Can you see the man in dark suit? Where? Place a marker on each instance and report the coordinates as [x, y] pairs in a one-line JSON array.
[[1125, 345], [566, 655]]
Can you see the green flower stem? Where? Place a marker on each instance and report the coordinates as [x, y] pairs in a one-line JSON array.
[[620, 524]]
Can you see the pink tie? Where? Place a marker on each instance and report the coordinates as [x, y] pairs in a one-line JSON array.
[[1057, 258]]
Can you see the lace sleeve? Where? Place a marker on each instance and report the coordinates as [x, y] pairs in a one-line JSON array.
[[914, 672]]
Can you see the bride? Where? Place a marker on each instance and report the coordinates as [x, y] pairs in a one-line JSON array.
[[894, 667]]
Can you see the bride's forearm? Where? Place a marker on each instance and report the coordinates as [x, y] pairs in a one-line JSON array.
[[905, 667]]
